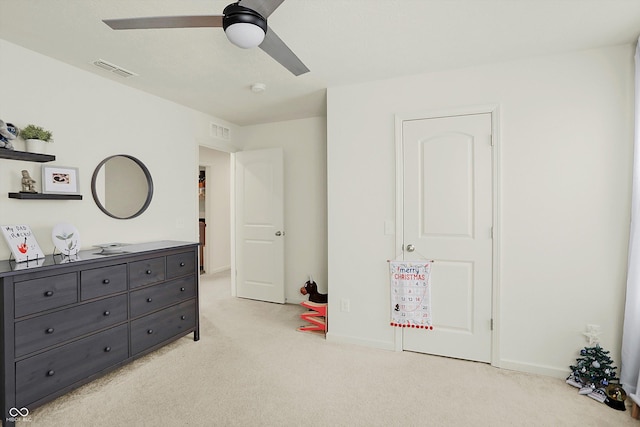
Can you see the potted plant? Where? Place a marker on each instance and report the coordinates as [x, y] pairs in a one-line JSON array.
[[36, 137]]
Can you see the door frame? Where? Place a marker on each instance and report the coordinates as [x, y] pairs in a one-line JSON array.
[[207, 220], [223, 146], [494, 110]]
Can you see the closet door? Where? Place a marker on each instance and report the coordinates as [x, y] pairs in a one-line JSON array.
[[259, 211]]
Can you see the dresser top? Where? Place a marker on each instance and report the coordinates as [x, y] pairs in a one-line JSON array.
[[8, 268]]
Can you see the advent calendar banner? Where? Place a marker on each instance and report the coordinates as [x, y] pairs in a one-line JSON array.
[[411, 294]]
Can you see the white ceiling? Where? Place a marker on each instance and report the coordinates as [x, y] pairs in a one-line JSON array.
[[341, 41]]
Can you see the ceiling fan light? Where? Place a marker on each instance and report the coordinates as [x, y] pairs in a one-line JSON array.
[[245, 35], [244, 27]]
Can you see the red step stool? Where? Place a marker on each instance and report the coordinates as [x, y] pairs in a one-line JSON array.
[[317, 317]]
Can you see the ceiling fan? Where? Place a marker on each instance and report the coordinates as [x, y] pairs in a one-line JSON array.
[[244, 25]]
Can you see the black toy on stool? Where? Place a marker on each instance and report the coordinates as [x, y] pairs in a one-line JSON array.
[[310, 288]]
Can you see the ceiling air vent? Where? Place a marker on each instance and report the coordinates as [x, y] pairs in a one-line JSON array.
[[113, 68], [221, 132]]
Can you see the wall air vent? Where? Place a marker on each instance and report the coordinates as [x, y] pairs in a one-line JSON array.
[[113, 68], [222, 132]]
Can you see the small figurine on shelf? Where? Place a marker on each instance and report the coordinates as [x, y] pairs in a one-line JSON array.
[[28, 184]]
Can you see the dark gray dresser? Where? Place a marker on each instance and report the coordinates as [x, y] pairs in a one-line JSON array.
[[67, 323]]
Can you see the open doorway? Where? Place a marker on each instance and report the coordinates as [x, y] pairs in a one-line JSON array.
[[214, 200], [202, 215]]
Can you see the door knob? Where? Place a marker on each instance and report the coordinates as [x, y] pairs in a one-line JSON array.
[[411, 248]]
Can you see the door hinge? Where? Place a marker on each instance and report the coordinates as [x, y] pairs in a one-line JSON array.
[[492, 232], [492, 324]]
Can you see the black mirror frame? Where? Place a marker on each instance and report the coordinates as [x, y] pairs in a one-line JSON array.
[[147, 175]]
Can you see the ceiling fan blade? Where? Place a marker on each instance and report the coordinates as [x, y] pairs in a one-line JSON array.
[[263, 7], [279, 51], [165, 22]]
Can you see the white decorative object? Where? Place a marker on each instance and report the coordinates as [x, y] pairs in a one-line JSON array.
[[36, 146], [593, 334], [111, 248], [22, 242], [66, 238]]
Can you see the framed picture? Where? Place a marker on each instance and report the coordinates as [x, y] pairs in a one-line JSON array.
[[22, 242], [60, 180]]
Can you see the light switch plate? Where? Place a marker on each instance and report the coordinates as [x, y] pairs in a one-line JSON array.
[[389, 227]]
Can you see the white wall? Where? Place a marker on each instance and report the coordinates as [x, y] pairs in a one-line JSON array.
[[566, 154], [566, 150], [217, 209], [304, 144], [91, 118]]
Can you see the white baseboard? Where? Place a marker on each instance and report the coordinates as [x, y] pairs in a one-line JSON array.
[[218, 270], [342, 339], [549, 371], [512, 365]]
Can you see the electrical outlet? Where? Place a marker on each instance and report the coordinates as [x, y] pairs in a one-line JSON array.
[[345, 305]]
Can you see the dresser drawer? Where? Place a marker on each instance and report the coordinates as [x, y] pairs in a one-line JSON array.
[[35, 295], [155, 297], [45, 373], [158, 327], [40, 332], [181, 264], [102, 281], [146, 272]]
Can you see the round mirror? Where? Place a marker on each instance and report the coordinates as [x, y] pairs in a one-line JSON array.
[[122, 187]]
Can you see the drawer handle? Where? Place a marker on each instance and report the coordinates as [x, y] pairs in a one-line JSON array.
[[106, 313], [49, 331], [182, 289], [182, 264], [48, 293], [51, 373], [106, 281], [183, 317], [150, 331], [149, 299], [107, 349], [148, 271]]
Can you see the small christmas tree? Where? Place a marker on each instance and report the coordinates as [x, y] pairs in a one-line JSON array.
[[594, 369]]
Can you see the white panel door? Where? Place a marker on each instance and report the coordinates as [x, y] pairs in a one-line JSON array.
[[448, 215], [259, 225]]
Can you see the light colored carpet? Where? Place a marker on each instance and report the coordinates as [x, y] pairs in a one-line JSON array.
[[252, 368]]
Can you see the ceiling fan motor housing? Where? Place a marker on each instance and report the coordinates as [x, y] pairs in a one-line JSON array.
[[236, 14]]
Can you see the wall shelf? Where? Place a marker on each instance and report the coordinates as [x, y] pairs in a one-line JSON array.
[[23, 155], [40, 196]]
